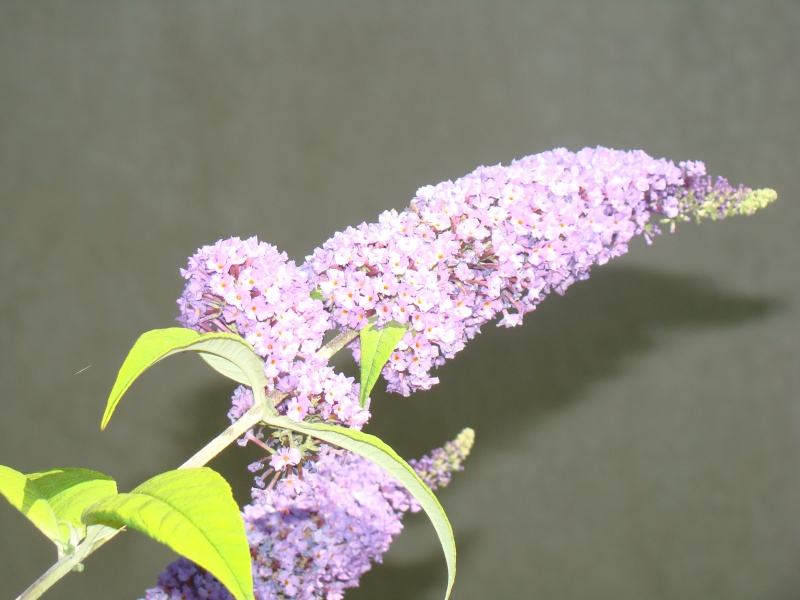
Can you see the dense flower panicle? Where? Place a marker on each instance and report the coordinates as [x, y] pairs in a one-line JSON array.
[[249, 288], [490, 245], [496, 242], [313, 538]]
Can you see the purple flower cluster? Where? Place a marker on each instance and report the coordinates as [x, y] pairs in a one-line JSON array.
[[249, 288], [491, 244], [314, 537], [494, 243]]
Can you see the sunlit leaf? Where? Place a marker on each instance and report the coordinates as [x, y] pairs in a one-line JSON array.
[[53, 500], [70, 490], [377, 346], [228, 353], [193, 512], [26, 497]]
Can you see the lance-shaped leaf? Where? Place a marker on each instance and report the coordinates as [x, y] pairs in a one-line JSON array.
[[377, 346], [373, 449], [27, 498], [54, 500], [228, 353], [193, 512], [70, 490]]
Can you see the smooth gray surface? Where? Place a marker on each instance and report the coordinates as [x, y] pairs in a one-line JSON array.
[[637, 438]]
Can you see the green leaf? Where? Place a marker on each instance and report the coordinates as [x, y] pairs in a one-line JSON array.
[[373, 449], [228, 353], [70, 490], [193, 512], [27, 498], [54, 500], [377, 346]]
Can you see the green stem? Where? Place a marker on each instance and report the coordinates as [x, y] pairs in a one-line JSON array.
[[237, 429], [96, 536], [337, 343]]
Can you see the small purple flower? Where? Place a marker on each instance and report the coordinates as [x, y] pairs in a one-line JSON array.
[[285, 458]]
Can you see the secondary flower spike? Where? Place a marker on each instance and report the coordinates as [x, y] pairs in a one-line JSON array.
[[313, 538], [495, 242]]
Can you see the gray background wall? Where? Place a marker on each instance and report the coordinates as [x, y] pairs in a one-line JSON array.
[[637, 438]]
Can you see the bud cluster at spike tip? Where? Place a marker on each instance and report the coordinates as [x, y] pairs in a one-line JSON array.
[[495, 242], [312, 538]]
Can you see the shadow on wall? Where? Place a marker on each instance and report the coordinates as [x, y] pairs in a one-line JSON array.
[[565, 346]]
